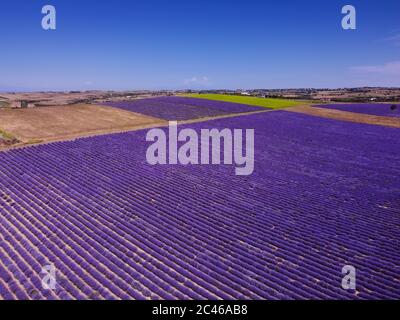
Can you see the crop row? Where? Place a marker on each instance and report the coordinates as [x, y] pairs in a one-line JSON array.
[[375, 109], [324, 194], [181, 108]]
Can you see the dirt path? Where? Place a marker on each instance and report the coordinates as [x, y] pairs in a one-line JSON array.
[[347, 116]]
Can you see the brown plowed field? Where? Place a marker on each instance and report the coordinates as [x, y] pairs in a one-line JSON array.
[[67, 122]]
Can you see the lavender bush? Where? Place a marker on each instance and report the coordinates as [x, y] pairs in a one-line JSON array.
[[376, 109], [324, 194], [180, 108]]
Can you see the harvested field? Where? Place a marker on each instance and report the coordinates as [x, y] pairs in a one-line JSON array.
[[324, 194], [347, 116], [67, 122], [180, 108], [375, 109]]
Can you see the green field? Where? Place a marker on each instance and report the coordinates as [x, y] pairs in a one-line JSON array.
[[262, 102]]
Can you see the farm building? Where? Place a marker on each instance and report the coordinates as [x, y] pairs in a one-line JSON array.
[[17, 104]]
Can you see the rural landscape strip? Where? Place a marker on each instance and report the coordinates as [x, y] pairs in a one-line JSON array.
[[306, 109], [160, 124]]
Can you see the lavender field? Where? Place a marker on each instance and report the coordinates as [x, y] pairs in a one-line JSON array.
[[375, 109], [324, 194], [181, 108]]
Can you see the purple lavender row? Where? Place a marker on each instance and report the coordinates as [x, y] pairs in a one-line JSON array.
[[179, 108], [283, 232], [230, 107], [145, 235], [375, 109]]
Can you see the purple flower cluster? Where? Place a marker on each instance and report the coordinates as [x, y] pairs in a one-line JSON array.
[[375, 109], [181, 108], [324, 194]]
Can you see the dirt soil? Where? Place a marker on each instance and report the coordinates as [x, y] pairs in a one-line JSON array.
[[45, 124], [347, 116]]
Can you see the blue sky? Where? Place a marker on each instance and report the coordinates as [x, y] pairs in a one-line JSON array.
[[128, 44]]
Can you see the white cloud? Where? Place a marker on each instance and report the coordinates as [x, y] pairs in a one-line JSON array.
[[197, 81], [395, 39], [390, 68]]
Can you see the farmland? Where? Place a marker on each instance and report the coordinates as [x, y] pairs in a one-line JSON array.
[[43, 124], [181, 108], [324, 194], [387, 110], [255, 101], [200, 158], [358, 116]]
